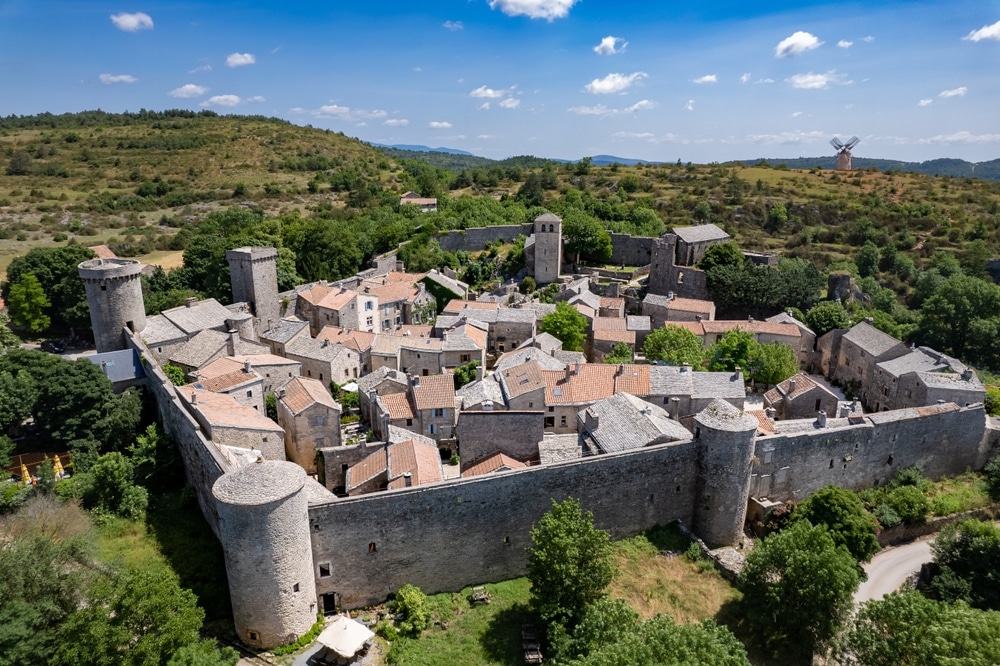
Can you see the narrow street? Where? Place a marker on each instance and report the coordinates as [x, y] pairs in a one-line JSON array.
[[890, 568]]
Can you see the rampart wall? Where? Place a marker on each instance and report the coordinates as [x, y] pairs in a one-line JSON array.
[[476, 238], [446, 536], [629, 250]]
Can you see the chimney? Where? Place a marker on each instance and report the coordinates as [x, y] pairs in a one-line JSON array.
[[967, 374], [281, 393], [821, 418], [843, 411], [231, 342], [789, 313], [246, 366], [770, 412], [675, 408], [670, 295], [415, 381], [408, 480], [591, 420], [736, 372], [869, 320], [621, 369], [568, 372], [479, 373], [190, 302], [791, 385], [750, 320], [194, 398], [576, 368]]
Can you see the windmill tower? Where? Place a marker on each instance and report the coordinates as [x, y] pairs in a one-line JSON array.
[[844, 152]]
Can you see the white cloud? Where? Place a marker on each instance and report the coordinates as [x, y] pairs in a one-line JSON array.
[[487, 93], [485, 136], [745, 77], [346, 113], [986, 32], [613, 83], [796, 43], [925, 102], [869, 39], [256, 99], [954, 92], [397, 122], [845, 44], [690, 105], [545, 9], [188, 90], [332, 111], [240, 59], [708, 78], [108, 79], [764, 81], [453, 25], [812, 81], [510, 103], [633, 135], [202, 68], [602, 110], [610, 46], [485, 106], [222, 100], [785, 138], [962, 137], [132, 22], [796, 114], [439, 124]]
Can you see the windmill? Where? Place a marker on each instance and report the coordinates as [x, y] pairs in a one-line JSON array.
[[844, 152]]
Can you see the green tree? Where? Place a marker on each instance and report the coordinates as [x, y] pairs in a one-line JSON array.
[[412, 604], [567, 324], [733, 350], [961, 319], [605, 622], [867, 260], [111, 488], [18, 394], [621, 353], [772, 363], [800, 284], [8, 339], [28, 303], [843, 514], [967, 554], [20, 164], [909, 628], [56, 270], [155, 460], [910, 504], [465, 374], [133, 618], [827, 316], [204, 653], [798, 586], [271, 407], [722, 254], [660, 640], [674, 345], [175, 374], [569, 564], [585, 236], [531, 192]]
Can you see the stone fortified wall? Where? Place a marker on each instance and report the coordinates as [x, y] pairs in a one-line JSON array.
[[629, 250], [476, 238]]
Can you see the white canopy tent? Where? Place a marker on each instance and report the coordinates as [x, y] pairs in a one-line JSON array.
[[345, 636]]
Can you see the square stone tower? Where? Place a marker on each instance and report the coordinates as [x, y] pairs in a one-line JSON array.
[[253, 272], [548, 248]]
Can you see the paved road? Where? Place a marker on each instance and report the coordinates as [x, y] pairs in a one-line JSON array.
[[888, 569]]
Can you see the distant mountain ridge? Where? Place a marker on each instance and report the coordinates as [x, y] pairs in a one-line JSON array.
[[416, 148]]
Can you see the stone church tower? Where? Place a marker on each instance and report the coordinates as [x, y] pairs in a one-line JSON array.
[[548, 248], [253, 272]]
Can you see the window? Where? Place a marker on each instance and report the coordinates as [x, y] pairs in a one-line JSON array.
[[252, 635], [437, 413], [432, 429], [372, 548], [552, 409], [466, 358], [250, 394], [369, 305], [562, 421], [370, 320], [104, 287], [409, 422]]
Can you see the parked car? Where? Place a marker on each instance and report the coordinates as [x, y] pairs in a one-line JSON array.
[[53, 347]]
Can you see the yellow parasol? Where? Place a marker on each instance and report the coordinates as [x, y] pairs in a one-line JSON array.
[[57, 467], [25, 477]]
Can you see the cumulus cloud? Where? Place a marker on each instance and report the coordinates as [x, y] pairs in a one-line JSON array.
[[986, 32], [610, 46], [925, 102], [453, 25], [796, 43], [132, 22], [962, 137], [222, 100], [812, 81], [954, 92], [796, 114], [188, 90], [543, 9], [397, 122], [439, 124], [240, 59], [613, 83], [487, 93], [633, 135], [602, 110], [745, 77], [708, 78], [845, 44], [108, 79], [690, 105], [510, 103], [345, 113]]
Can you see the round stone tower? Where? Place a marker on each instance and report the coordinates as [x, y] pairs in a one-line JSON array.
[[114, 295], [264, 530], [726, 435]]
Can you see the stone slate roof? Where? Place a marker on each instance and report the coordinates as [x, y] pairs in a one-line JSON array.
[[694, 305], [452, 285], [397, 434], [515, 315], [870, 339], [304, 392], [922, 359], [786, 318], [544, 341], [950, 380], [559, 448], [521, 379], [498, 462], [317, 350], [676, 380], [206, 344], [540, 309], [548, 217], [720, 415], [159, 330], [199, 316], [588, 298], [284, 330], [638, 323], [480, 391], [700, 233], [569, 357], [627, 422], [372, 380], [525, 354], [433, 392]]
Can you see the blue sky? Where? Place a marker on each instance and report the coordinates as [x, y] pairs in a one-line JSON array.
[[657, 80]]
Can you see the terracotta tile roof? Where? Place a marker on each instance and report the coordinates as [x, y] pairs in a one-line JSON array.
[[422, 461], [359, 341], [367, 469], [628, 337], [691, 305], [220, 409], [434, 392], [218, 367], [803, 384], [524, 378], [766, 426], [302, 392], [609, 302], [401, 276], [230, 380], [317, 293], [103, 252], [610, 324], [455, 306], [335, 300], [721, 326], [588, 312], [398, 405], [413, 331], [595, 381], [420, 343], [263, 359], [476, 334], [392, 292], [498, 462]]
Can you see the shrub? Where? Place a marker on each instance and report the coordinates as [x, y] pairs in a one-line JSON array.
[[992, 474], [411, 603], [386, 630], [910, 503], [992, 401], [886, 516], [911, 476]]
